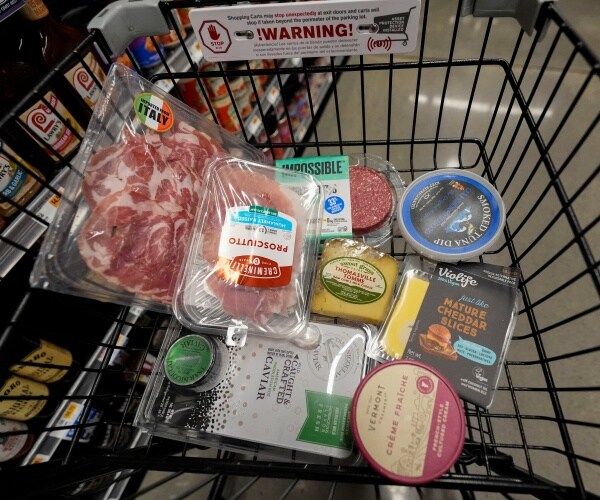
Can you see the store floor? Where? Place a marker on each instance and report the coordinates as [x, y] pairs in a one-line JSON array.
[[584, 16]]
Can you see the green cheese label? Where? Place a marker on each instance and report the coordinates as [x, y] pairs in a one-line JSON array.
[[353, 280], [327, 421], [189, 359]]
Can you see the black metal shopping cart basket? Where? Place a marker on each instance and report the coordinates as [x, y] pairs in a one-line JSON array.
[[480, 94]]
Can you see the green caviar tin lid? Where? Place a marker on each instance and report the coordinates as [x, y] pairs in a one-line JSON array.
[[189, 359]]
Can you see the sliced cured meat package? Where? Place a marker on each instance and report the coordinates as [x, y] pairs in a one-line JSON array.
[[122, 231], [253, 252], [143, 195]]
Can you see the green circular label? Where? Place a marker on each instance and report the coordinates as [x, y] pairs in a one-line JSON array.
[[188, 360], [353, 280], [153, 111]]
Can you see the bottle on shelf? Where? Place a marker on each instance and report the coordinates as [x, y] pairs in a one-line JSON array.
[[17, 398], [14, 446], [19, 181], [42, 135], [47, 41], [17, 349], [273, 132]]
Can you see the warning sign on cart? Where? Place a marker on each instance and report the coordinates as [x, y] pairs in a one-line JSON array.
[[307, 29]]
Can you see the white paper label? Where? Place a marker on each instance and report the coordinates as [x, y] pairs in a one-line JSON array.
[[257, 247], [307, 29]]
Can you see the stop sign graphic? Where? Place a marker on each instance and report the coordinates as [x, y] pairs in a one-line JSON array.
[[215, 37]]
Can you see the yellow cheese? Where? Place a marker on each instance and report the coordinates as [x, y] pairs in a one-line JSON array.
[[354, 281], [395, 332]]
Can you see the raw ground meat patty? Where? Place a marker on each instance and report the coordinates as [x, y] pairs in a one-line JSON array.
[[233, 188], [143, 194], [371, 198]]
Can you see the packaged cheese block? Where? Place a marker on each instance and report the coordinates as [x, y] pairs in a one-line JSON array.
[[354, 282]]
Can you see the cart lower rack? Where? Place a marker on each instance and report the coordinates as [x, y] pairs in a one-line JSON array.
[[480, 94]]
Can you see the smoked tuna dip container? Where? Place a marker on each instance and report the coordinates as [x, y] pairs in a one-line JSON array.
[[375, 188], [451, 215], [408, 422]]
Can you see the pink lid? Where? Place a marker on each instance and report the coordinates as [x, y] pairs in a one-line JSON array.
[[408, 422]]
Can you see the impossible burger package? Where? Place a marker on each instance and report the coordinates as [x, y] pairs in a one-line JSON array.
[[126, 216]]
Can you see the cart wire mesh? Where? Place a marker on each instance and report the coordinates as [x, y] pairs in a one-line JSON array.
[[523, 115]]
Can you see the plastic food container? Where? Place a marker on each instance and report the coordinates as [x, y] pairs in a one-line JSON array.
[[122, 228], [451, 215], [268, 396], [408, 422], [253, 253], [375, 188]]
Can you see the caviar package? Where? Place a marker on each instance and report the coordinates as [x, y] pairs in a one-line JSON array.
[[126, 215], [457, 318], [268, 396], [253, 252]]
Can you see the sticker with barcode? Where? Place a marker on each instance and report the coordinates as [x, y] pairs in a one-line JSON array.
[[50, 206]]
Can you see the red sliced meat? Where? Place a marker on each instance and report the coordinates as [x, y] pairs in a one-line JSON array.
[[371, 199], [144, 193], [233, 188], [136, 243], [255, 304]]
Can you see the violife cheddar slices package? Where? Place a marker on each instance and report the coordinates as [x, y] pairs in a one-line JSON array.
[[457, 318], [253, 253], [269, 396], [126, 215]]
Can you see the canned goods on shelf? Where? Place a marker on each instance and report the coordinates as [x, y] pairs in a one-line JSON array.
[[240, 94], [183, 15], [215, 85], [145, 53], [226, 113], [192, 95]]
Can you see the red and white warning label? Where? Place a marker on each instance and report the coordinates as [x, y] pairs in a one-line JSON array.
[[307, 29]]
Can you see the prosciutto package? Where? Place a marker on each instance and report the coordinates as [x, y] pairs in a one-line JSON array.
[[122, 230], [253, 252]]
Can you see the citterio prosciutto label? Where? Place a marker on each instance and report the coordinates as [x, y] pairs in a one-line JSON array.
[[256, 247]]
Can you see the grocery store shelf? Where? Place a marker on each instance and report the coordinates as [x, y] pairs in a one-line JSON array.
[[271, 96], [177, 62], [69, 411], [25, 230], [116, 489]]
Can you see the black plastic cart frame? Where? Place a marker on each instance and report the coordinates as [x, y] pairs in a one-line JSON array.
[[533, 137]]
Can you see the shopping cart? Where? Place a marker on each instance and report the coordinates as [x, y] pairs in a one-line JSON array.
[[520, 110]]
